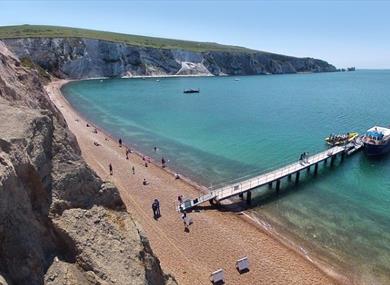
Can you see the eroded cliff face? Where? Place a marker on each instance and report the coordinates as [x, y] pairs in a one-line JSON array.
[[78, 58], [59, 223]]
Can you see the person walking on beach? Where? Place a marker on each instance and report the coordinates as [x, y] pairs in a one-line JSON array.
[[127, 154], [145, 182], [154, 208], [180, 199], [185, 222], [120, 142], [163, 162], [158, 208], [133, 169], [111, 170]]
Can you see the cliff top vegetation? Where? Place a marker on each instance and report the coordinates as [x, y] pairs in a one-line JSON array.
[[36, 31]]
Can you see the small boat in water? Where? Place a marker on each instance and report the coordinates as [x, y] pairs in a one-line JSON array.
[[343, 139], [191, 90], [377, 141]]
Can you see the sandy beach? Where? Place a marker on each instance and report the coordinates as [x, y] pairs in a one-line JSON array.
[[216, 239]]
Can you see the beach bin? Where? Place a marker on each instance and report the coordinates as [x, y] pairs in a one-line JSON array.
[[217, 277], [242, 264]]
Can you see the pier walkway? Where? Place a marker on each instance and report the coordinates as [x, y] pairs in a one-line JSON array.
[[225, 192]]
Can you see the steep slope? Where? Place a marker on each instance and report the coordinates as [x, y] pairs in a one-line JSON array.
[[59, 223]]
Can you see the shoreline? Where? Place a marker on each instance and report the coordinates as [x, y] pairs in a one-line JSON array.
[[261, 226]]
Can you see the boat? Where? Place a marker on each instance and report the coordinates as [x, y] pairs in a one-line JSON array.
[[191, 90], [343, 139], [377, 141]]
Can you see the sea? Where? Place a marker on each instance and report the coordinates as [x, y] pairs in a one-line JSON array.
[[238, 127]]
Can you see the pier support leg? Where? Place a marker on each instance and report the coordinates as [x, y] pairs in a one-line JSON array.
[[297, 178], [248, 197], [289, 177], [332, 159], [241, 195], [342, 156], [308, 169], [277, 186], [270, 185], [316, 168], [325, 161]]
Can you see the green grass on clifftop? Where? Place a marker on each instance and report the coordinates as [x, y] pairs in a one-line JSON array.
[[35, 31]]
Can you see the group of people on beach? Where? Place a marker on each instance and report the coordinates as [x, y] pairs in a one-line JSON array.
[[187, 221]]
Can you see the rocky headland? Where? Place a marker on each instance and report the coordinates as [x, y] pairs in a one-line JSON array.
[[80, 58], [59, 222]]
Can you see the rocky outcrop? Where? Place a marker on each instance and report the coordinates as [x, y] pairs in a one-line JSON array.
[[59, 223], [78, 58]]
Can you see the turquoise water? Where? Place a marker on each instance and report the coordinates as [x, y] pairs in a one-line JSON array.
[[234, 129]]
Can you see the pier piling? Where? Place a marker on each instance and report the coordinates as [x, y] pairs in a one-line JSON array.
[[277, 186], [316, 168], [297, 177], [248, 197]]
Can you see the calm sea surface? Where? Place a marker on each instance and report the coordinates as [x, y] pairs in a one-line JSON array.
[[236, 128]]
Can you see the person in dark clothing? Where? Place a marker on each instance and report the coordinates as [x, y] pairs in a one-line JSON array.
[[145, 182], [158, 213], [185, 222], [111, 170], [133, 168], [163, 162], [154, 208], [127, 153], [120, 142]]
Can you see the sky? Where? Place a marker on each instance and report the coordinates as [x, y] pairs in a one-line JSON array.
[[344, 33]]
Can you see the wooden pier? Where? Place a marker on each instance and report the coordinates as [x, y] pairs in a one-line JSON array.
[[290, 170]]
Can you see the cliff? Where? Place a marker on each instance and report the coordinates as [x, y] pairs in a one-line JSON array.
[[79, 58], [59, 223]]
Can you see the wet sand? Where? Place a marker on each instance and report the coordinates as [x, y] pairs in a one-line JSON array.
[[216, 239]]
